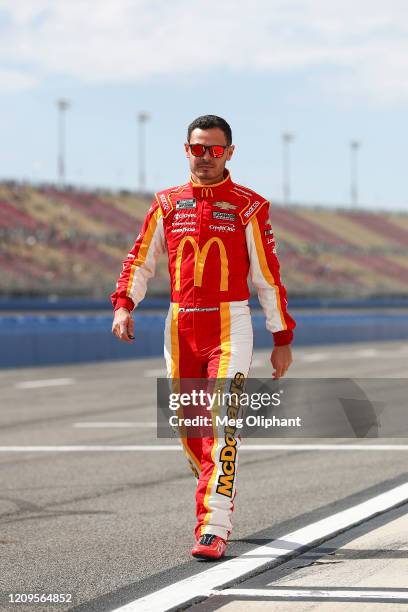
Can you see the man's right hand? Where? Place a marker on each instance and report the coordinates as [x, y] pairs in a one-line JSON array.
[[123, 326]]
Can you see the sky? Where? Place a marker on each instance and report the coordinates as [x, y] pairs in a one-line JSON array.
[[328, 72]]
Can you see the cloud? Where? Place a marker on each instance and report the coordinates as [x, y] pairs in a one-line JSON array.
[[13, 80], [350, 48]]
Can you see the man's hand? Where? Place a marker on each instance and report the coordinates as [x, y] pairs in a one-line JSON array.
[[123, 326], [281, 359]]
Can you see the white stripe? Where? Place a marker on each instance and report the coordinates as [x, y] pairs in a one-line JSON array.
[[173, 447], [314, 593], [158, 372], [46, 382], [324, 447], [113, 424], [315, 357], [86, 448], [167, 341], [203, 584], [266, 292], [147, 268], [368, 352]]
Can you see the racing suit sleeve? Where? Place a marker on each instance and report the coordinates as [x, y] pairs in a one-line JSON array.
[[265, 275], [140, 264]]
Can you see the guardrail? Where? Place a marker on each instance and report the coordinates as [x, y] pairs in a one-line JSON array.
[[27, 340]]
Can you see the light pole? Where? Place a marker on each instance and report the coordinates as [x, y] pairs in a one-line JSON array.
[[354, 147], [142, 118], [62, 106], [287, 138]]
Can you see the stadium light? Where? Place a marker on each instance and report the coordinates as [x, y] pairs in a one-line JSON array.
[[287, 138], [62, 105], [354, 147], [142, 118]]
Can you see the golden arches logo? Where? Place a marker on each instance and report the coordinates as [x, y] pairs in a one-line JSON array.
[[206, 192], [200, 257]]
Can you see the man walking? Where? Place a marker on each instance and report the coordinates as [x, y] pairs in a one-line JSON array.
[[215, 233]]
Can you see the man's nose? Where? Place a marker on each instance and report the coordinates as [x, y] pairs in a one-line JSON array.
[[207, 155]]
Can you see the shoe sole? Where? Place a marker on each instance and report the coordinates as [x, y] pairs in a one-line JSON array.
[[207, 557]]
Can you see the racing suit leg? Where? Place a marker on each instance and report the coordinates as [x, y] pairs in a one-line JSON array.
[[216, 345], [183, 362]]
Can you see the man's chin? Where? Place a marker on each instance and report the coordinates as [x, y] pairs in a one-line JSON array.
[[206, 173]]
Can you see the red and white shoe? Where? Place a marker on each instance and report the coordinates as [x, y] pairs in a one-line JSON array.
[[209, 547]]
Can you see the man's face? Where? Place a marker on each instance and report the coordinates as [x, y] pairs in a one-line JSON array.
[[206, 168]]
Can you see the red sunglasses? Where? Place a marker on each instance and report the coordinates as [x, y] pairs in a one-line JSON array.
[[198, 150]]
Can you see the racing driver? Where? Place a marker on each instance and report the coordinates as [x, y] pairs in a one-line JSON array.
[[215, 232]]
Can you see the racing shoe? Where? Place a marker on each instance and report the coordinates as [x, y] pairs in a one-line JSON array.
[[209, 547]]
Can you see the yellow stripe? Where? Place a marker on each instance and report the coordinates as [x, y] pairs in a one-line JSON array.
[[175, 375], [179, 256], [265, 268], [223, 366], [144, 248], [175, 350]]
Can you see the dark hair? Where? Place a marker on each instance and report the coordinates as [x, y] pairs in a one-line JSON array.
[[207, 122]]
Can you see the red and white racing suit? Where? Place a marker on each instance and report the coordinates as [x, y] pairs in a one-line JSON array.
[[215, 235]]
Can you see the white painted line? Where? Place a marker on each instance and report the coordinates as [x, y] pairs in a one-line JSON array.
[[315, 357], [324, 447], [113, 424], [46, 382], [203, 584], [367, 353], [155, 373], [314, 593], [175, 447], [89, 448]]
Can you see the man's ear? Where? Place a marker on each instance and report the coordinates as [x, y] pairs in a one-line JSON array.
[[230, 153], [187, 149]]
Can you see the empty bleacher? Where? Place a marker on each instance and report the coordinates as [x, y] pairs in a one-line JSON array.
[[72, 242]]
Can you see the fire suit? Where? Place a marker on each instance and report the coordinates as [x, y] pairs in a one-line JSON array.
[[214, 235]]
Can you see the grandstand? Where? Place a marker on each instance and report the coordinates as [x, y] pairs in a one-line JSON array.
[[72, 242]]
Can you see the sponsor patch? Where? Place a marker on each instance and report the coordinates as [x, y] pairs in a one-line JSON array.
[[181, 229], [183, 204], [268, 232], [164, 202], [185, 215], [225, 205], [225, 484], [183, 222], [222, 228], [251, 209], [224, 216]]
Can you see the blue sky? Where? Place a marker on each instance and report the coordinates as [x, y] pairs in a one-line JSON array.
[[327, 71]]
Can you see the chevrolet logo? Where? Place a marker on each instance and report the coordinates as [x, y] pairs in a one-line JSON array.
[[225, 205]]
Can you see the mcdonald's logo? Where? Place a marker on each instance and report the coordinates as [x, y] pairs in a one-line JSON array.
[[200, 257], [206, 192]]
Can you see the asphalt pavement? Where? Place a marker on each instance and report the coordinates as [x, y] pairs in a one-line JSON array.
[[113, 523]]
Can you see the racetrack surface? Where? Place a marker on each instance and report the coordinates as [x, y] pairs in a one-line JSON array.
[[109, 527]]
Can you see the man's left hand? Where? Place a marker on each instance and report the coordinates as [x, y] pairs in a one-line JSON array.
[[281, 359]]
